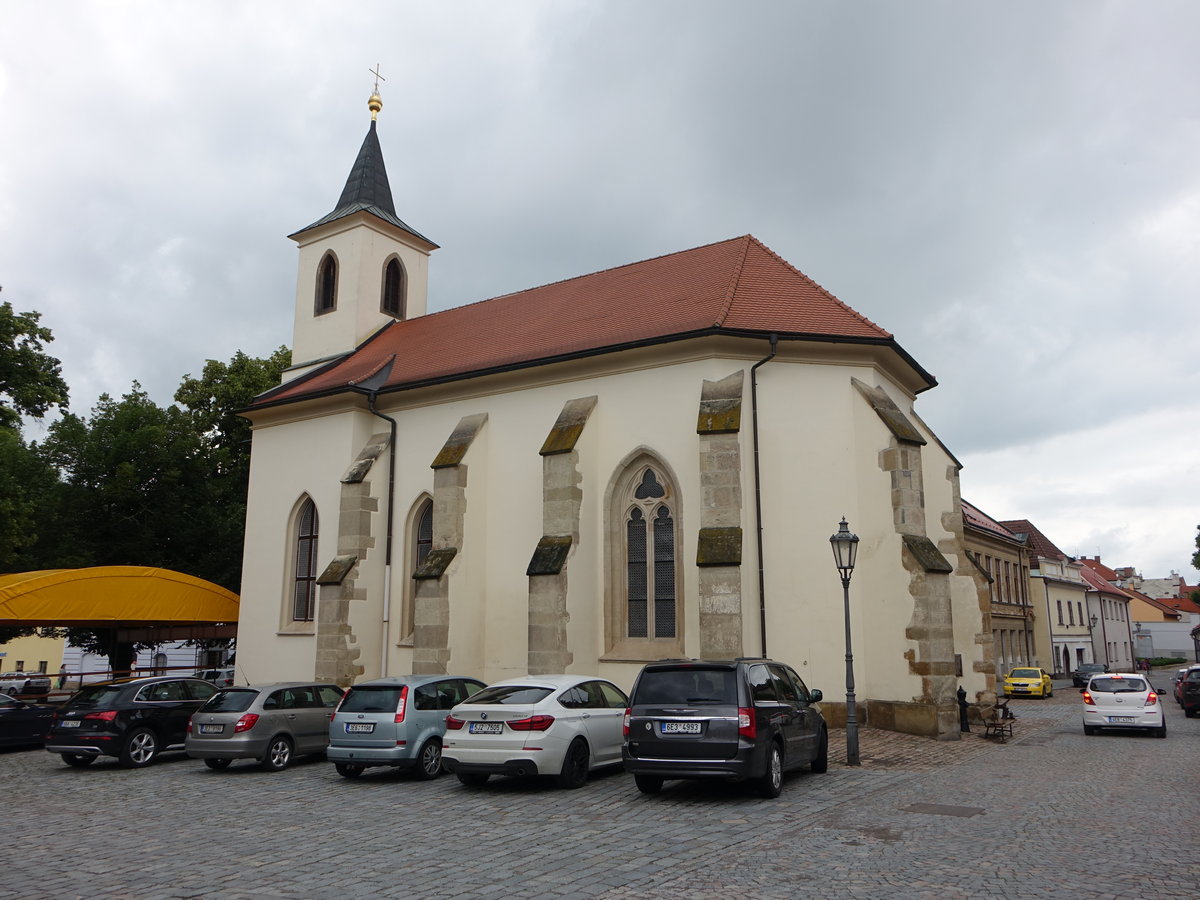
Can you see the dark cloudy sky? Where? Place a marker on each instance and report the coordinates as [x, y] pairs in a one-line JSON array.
[[1012, 189]]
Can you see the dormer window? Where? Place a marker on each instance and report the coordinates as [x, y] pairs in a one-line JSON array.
[[394, 289], [326, 300]]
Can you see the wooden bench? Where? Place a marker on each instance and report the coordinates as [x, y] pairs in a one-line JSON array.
[[997, 722]]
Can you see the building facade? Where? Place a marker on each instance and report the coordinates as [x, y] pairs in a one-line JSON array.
[[1003, 565]]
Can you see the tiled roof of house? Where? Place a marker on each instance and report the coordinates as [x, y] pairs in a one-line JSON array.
[[736, 287], [1098, 582], [1039, 545], [1161, 605], [974, 517], [1099, 568]]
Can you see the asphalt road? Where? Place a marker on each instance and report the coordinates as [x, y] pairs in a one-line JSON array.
[[1049, 814]]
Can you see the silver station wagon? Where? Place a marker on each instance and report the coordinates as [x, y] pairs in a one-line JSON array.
[[395, 722], [270, 723]]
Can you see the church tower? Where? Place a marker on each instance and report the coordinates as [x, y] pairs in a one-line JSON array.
[[360, 266]]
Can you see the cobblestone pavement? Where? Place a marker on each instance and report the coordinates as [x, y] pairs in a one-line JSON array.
[[1050, 814]]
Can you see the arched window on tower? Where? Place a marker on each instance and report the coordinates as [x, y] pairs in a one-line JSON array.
[[395, 285], [304, 590], [326, 300]]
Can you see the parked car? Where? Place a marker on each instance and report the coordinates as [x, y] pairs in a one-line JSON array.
[[1028, 682], [133, 719], [1079, 678], [395, 722], [219, 677], [1177, 684], [559, 725], [1189, 692], [270, 723], [746, 720], [23, 724], [25, 684], [1122, 700]]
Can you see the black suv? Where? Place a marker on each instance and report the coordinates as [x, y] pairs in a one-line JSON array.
[[741, 720], [133, 719], [1079, 678], [1189, 692]]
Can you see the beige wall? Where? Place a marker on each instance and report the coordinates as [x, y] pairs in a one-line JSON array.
[[32, 651], [820, 459]]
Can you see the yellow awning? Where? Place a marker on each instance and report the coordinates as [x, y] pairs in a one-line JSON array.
[[110, 595]]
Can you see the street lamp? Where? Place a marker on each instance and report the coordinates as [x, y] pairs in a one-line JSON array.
[[845, 549]]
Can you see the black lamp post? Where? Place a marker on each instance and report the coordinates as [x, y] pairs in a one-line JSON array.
[[845, 549]]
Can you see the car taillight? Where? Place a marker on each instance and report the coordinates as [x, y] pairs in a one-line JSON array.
[[453, 724], [533, 723], [109, 715], [341, 700], [245, 723], [402, 705], [1087, 699], [625, 723], [189, 725], [747, 727], [1151, 699]]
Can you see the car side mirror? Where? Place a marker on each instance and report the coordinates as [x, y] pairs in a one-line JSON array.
[[814, 696]]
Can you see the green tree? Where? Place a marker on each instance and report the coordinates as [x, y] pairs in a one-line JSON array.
[[30, 380], [27, 484]]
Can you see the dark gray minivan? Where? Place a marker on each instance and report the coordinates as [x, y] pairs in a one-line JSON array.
[[395, 722], [740, 720]]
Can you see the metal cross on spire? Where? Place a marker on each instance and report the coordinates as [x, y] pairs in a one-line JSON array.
[[378, 77], [375, 104]]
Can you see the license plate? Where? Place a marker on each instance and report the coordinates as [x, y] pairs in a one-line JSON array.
[[486, 727], [1121, 720], [69, 723], [360, 727], [680, 727], [211, 729]]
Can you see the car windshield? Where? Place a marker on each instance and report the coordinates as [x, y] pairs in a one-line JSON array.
[[372, 698], [229, 701], [1025, 673], [510, 695], [1118, 685], [692, 684], [94, 697]]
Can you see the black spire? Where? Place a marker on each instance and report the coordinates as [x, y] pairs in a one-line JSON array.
[[367, 189]]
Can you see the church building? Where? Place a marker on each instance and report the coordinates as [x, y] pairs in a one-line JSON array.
[[640, 463]]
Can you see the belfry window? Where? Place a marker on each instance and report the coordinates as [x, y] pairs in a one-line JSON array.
[[394, 285], [326, 300], [304, 590]]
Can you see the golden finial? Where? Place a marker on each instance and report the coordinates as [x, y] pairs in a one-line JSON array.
[[375, 104]]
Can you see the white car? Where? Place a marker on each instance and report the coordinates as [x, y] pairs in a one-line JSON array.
[[560, 725], [1122, 700]]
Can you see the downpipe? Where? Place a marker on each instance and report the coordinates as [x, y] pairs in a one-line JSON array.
[[762, 591], [387, 551]]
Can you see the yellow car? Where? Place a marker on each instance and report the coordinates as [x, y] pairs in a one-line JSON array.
[[1028, 683]]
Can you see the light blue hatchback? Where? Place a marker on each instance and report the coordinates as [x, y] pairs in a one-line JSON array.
[[396, 722]]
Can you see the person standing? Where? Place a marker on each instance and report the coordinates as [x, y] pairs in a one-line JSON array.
[[62, 676]]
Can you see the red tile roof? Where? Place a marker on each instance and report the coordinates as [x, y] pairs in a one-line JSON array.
[[1098, 582], [737, 286], [1099, 568], [1039, 545], [977, 518]]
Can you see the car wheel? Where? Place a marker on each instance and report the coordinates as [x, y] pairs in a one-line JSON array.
[[429, 760], [1190, 712], [1161, 730], [78, 760], [473, 779], [348, 770], [771, 783], [648, 784], [575, 765], [278, 755], [1089, 730], [141, 746], [820, 763], [218, 764]]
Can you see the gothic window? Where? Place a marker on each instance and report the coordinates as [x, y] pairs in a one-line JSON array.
[[394, 289], [326, 299], [304, 579], [420, 542], [643, 599]]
